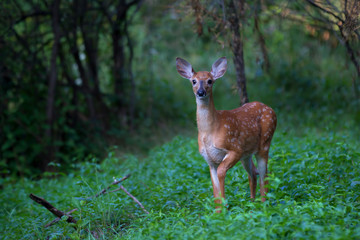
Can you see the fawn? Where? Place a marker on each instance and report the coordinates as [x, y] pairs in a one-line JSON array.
[[229, 136]]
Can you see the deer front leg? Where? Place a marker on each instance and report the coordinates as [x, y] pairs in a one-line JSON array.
[[216, 185], [230, 159]]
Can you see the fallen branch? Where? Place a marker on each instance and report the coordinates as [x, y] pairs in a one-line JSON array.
[[105, 190], [70, 219], [51, 208], [114, 183], [58, 219], [134, 198]]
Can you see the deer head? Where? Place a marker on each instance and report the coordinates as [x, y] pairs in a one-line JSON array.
[[202, 81]]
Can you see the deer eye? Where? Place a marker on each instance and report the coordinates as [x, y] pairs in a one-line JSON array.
[[194, 82], [209, 81]]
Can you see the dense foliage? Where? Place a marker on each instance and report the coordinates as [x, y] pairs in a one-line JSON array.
[[314, 193], [82, 139], [79, 76]]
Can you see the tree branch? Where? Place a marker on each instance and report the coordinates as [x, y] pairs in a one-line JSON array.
[[117, 182], [51, 208], [333, 6], [58, 219], [107, 188], [34, 14], [324, 10], [134, 198]]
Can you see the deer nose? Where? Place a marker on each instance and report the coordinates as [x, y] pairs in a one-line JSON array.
[[201, 93]]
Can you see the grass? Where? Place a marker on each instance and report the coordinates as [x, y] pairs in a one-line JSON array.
[[314, 194]]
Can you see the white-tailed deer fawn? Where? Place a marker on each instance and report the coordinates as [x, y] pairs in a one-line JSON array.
[[227, 137]]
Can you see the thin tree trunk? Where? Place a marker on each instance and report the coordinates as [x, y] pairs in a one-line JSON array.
[[91, 53], [118, 72], [132, 101], [77, 8], [90, 35], [118, 55], [119, 61], [85, 81], [261, 38], [350, 51], [237, 46], [50, 108], [4, 85], [90, 38], [73, 115]]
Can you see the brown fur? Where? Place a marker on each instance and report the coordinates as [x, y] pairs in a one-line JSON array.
[[229, 136]]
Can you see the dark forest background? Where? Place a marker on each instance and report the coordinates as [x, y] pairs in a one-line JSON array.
[[79, 77]]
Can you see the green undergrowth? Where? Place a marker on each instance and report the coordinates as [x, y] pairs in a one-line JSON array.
[[314, 194]]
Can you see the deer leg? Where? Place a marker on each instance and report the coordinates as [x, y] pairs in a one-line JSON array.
[[262, 160], [228, 162], [252, 171], [216, 185]]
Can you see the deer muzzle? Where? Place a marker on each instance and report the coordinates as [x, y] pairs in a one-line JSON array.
[[201, 91]]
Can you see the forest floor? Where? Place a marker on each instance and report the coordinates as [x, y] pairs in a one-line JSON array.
[[314, 194]]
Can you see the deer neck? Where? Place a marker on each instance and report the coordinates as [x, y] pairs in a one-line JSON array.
[[206, 115]]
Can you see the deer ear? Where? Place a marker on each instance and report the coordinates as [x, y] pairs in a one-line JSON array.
[[184, 68], [218, 69]]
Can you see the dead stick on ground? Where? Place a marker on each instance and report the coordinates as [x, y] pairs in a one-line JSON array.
[[58, 219], [114, 183], [51, 208], [130, 195]]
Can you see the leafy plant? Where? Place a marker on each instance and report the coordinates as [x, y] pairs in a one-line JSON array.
[[314, 193]]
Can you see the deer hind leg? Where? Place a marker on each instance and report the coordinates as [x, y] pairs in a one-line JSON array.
[[268, 126], [252, 171], [262, 160]]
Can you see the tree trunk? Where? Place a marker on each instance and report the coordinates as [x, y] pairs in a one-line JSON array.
[[73, 114], [72, 42], [119, 69], [118, 73], [352, 54], [261, 38], [50, 108], [132, 102], [91, 52], [237, 48], [90, 35]]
